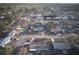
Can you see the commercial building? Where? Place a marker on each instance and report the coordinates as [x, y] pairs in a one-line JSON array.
[[5, 40]]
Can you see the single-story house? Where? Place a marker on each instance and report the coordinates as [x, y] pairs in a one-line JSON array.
[[38, 27], [57, 18], [39, 47]]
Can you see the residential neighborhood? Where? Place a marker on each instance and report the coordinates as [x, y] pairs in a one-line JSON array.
[[39, 29]]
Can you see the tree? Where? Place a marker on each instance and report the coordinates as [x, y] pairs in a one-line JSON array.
[[49, 25], [5, 24], [6, 50]]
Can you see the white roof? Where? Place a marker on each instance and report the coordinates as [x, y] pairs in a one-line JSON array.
[[32, 49], [65, 17], [57, 17], [2, 17]]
